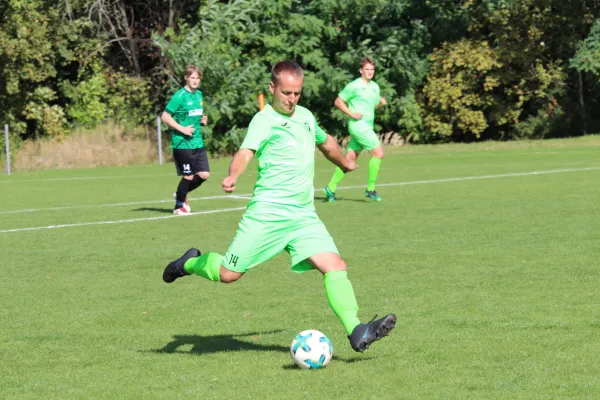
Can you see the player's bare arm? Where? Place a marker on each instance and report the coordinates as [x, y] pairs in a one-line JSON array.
[[341, 104], [236, 168], [168, 119], [382, 102], [331, 151]]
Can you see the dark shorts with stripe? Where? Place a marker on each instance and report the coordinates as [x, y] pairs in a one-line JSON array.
[[190, 161]]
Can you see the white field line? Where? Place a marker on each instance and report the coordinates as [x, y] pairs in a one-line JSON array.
[[133, 203], [247, 196], [121, 221], [472, 178], [465, 178], [84, 178]]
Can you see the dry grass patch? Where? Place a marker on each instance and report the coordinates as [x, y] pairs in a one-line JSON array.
[[108, 145]]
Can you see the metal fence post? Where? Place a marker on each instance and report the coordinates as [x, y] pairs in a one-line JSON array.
[[159, 133]]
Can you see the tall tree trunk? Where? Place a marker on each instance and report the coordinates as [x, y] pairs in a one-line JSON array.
[[127, 28], [171, 14], [582, 103]]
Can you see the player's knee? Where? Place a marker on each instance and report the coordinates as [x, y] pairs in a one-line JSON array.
[[227, 276], [204, 175], [337, 264], [341, 264], [378, 152]]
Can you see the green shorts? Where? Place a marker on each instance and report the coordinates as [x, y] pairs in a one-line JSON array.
[[362, 136], [257, 241]]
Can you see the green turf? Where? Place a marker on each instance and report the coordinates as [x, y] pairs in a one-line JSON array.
[[495, 282]]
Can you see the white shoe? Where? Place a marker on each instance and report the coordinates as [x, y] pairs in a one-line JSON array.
[[185, 203], [181, 211]]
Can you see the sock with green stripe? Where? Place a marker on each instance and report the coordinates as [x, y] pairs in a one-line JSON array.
[[341, 298], [207, 266], [373, 172], [337, 177]]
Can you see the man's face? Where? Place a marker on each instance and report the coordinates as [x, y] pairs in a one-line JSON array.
[[367, 71], [286, 93], [193, 81]]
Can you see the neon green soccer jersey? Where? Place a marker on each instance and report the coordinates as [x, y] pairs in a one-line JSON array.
[[186, 108], [281, 214], [361, 97], [285, 148]]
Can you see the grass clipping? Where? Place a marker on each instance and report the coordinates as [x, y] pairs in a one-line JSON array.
[[100, 147]]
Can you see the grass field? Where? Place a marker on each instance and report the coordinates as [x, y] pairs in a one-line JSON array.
[[489, 257]]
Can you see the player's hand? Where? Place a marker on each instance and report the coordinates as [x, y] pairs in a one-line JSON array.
[[350, 166], [228, 184], [383, 101], [204, 120], [188, 130], [356, 116]]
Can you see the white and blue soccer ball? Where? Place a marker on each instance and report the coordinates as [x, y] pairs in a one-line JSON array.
[[311, 349]]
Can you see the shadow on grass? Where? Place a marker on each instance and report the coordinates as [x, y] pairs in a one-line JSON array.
[[155, 209], [221, 343], [217, 343], [324, 199], [350, 360]]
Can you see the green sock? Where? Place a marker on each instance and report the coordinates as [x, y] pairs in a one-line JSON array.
[[337, 177], [373, 172], [207, 266], [341, 298]]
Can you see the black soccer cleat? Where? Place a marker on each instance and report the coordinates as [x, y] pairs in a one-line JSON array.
[[175, 268], [364, 334]]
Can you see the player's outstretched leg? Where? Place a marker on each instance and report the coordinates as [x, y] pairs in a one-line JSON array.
[[329, 190], [181, 205], [374, 165], [372, 194], [196, 183], [186, 205], [343, 303], [330, 194], [364, 334], [193, 261], [176, 269]]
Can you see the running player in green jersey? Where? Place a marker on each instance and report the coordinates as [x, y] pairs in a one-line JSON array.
[[358, 100], [184, 114], [281, 214]]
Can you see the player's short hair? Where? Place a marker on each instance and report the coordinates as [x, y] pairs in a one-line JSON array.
[[190, 69], [366, 60], [286, 67]]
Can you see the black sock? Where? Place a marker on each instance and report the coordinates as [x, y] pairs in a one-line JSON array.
[[196, 182], [182, 191]]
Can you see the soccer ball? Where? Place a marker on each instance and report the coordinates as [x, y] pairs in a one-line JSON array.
[[311, 349]]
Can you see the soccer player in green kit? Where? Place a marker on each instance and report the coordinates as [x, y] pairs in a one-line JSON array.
[[358, 100], [184, 115], [281, 214]]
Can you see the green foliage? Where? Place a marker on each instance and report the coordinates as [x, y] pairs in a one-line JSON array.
[[587, 57], [82, 62], [523, 85], [49, 119], [236, 44], [129, 99], [410, 122], [37, 50], [459, 88], [87, 106]]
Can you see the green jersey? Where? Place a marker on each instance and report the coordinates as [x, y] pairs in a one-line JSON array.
[[285, 148], [186, 108], [362, 97]]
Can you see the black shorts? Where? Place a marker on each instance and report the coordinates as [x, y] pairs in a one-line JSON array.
[[190, 161]]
